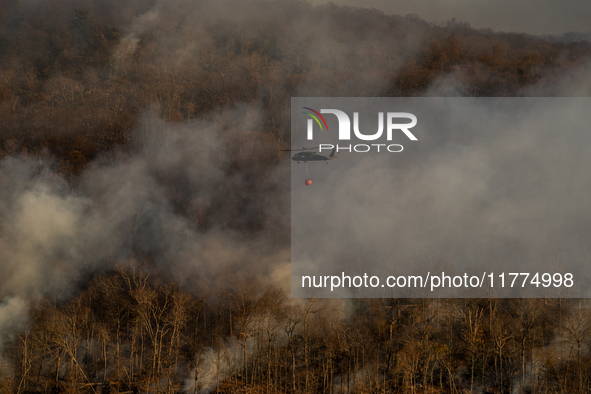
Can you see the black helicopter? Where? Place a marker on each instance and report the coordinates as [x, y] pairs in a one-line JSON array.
[[307, 156]]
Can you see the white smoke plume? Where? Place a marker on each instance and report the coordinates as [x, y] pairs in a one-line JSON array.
[[214, 365], [52, 236]]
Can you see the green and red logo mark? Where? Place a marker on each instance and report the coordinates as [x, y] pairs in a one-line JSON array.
[[315, 116]]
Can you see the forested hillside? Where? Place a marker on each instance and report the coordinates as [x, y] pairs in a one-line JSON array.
[[144, 208], [77, 75], [128, 331]]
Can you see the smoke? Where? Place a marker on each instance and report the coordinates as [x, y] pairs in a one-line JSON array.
[[489, 185], [170, 201], [208, 195], [335, 51], [533, 17], [575, 83], [13, 312], [195, 198], [176, 199], [130, 41], [215, 365]]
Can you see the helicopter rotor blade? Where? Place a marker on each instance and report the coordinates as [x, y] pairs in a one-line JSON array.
[[297, 150]]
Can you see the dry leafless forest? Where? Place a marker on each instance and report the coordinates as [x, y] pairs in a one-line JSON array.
[[144, 213]]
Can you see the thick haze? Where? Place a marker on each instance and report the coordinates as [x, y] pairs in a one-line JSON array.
[[490, 185], [145, 136], [148, 202], [526, 16], [51, 236]]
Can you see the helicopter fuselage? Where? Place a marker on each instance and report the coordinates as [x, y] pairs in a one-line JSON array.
[[309, 156]]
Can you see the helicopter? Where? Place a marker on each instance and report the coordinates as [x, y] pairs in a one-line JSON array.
[[305, 155]]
